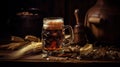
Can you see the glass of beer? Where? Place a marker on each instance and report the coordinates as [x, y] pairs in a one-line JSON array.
[[53, 33]]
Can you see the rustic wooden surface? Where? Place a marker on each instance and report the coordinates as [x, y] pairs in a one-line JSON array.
[[52, 61], [38, 58]]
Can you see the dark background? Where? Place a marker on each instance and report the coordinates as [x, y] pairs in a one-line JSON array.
[[62, 8], [48, 8], [53, 8]]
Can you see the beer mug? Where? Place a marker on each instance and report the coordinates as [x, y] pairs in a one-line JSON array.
[[53, 33]]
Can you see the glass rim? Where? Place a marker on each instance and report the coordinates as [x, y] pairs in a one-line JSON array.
[[53, 18]]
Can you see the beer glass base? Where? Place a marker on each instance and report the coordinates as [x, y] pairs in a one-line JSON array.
[[52, 52]]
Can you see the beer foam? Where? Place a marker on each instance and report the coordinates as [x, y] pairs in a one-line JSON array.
[[53, 24], [52, 27], [53, 21]]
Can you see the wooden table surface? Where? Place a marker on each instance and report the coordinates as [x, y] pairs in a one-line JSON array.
[[35, 61], [38, 58]]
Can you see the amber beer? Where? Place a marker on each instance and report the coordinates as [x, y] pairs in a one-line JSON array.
[[52, 34]]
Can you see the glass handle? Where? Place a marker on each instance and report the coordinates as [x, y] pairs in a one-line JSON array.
[[68, 38]]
